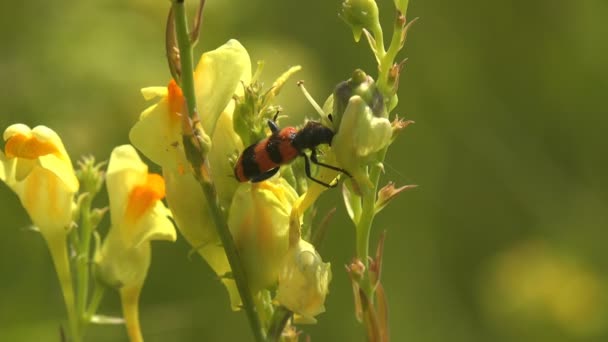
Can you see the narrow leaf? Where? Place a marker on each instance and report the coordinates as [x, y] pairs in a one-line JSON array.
[[382, 305]]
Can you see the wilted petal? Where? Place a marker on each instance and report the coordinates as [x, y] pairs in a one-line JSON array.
[[304, 282]]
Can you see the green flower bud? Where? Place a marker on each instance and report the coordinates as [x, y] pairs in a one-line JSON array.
[[259, 222], [359, 15], [401, 5], [361, 134], [359, 84], [90, 175], [303, 282]]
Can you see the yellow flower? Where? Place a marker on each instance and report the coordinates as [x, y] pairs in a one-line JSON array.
[[37, 167], [138, 216], [158, 135], [259, 223], [303, 282], [219, 75]]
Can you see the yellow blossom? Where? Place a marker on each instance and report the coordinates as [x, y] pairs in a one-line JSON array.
[[138, 216], [158, 135], [259, 223], [37, 168]]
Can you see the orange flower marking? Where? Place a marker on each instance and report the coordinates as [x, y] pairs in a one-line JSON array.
[[28, 147], [143, 197], [175, 97]]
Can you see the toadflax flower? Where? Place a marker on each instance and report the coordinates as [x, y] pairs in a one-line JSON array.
[[37, 168], [259, 223], [303, 282], [158, 135], [138, 216]]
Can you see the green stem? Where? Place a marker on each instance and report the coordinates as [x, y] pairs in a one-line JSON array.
[[386, 62], [187, 85], [277, 323], [369, 200], [368, 211], [185, 53], [238, 272], [82, 266], [98, 293], [379, 38], [59, 253]]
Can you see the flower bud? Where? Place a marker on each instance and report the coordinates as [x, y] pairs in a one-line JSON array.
[[361, 134], [259, 223], [359, 15], [359, 84], [90, 175], [304, 281], [401, 5]]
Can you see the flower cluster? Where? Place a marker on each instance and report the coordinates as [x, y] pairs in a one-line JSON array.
[[256, 232], [257, 214]]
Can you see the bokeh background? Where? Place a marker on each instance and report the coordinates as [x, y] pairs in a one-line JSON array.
[[504, 240]]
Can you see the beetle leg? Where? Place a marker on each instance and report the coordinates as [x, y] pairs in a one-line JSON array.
[[313, 158], [265, 175], [307, 169]]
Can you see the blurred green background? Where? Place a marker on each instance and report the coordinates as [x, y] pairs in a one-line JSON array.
[[504, 240]]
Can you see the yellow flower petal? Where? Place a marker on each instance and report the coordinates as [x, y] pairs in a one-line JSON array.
[[191, 214], [157, 134], [125, 171], [144, 196], [225, 143], [28, 147], [259, 223], [218, 75], [150, 93]]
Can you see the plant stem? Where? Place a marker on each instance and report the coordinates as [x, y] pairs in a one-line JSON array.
[[187, 85], [238, 272], [82, 264], [98, 293], [386, 62], [58, 249], [277, 323], [185, 53], [368, 212]]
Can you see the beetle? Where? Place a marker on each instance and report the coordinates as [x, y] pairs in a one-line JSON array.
[[263, 159]]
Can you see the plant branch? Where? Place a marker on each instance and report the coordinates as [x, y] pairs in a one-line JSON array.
[[198, 162]]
